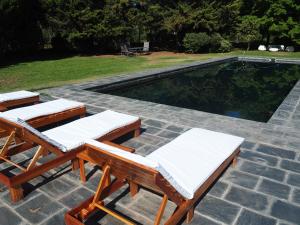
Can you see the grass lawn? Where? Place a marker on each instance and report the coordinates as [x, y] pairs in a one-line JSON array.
[[34, 75]]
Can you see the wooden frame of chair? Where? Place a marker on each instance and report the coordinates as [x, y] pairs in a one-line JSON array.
[[136, 175], [18, 102], [28, 140], [51, 118]]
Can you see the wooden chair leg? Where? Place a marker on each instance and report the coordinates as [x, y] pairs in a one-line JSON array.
[[75, 164], [234, 162], [82, 170], [134, 189], [190, 215], [45, 153], [16, 193], [161, 210], [137, 132]]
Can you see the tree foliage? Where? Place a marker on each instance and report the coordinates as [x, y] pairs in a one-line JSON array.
[[101, 25]]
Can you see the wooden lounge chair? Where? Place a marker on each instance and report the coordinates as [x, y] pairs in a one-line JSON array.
[[125, 51], [64, 141], [46, 113], [18, 98], [181, 171]]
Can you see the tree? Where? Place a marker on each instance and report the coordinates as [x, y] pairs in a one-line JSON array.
[[20, 26], [248, 30]]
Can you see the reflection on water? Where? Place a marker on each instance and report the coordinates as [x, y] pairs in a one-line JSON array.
[[238, 89]]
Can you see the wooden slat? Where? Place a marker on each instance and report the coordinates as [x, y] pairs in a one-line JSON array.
[[5, 147], [35, 158], [114, 214], [19, 102], [13, 163]]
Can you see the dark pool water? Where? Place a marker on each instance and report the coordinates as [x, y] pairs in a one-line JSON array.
[[248, 90]]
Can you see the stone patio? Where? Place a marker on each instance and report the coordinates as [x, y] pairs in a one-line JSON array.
[[264, 188]]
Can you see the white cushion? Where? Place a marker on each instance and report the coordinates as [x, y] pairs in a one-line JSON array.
[[34, 131], [262, 48], [17, 95], [187, 161], [127, 155], [43, 109], [74, 134], [190, 159]]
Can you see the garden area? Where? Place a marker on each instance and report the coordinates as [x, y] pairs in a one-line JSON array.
[[35, 74], [50, 43]]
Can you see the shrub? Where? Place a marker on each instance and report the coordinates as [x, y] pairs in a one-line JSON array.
[[196, 42], [225, 46], [219, 44], [215, 42]]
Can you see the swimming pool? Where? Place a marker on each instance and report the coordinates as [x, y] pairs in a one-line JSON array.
[[242, 89]]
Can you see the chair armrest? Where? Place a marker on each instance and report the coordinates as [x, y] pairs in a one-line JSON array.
[[125, 148]]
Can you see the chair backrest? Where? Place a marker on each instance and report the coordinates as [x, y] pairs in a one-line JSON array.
[[146, 47], [132, 167], [124, 48], [22, 125]]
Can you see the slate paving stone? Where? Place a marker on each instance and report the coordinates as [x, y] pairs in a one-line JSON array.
[[58, 187], [149, 139], [201, 220], [250, 218], [132, 143], [259, 158], [289, 165], [168, 134], [242, 179], [296, 196], [155, 123], [274, 133], [8, 217], [93, 181], [218, 189], [38, 209], [294, 144], [152, 130], [282, 114], [264, 171], [286, 211], [146, 150], [294, 179], [282, 153], [275, 189], [104, 219], [147, 205], [28, 196], [57, 219], [247, 198], [247, 145], [76, 197], [218, 209], [175, 128]]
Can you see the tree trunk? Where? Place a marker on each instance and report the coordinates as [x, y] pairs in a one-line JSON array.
[[248, 47], [268, 38]]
